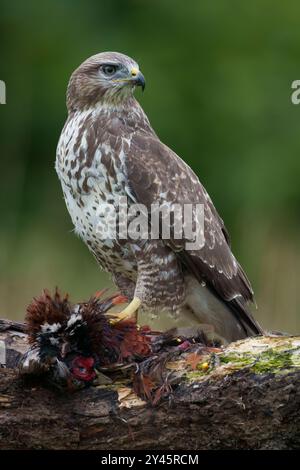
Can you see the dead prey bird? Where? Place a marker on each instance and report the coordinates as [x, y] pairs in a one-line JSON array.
[[72, 345]]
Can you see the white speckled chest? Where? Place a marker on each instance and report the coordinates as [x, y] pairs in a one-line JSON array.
[[91, 171]]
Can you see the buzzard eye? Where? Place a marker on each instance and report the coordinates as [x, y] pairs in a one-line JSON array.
[[109, 69]]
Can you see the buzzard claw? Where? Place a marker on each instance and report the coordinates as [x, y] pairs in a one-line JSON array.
[[128, 311]]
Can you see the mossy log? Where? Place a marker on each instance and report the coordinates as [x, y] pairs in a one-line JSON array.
[[245, 397]]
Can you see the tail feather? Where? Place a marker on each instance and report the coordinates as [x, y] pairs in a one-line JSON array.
[[231, 320]]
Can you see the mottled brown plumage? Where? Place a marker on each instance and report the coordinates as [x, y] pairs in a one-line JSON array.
[[107, 151]]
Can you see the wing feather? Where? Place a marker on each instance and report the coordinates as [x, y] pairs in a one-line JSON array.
[[155, 174]]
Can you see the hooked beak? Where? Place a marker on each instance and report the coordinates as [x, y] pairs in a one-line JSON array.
[[137, 78]]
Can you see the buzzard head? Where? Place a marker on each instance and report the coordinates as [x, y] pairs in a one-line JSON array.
[[106, 78]]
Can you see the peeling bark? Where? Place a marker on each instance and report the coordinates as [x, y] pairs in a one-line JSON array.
[[247, 397]]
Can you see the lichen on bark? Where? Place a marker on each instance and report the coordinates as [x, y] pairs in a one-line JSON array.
[[261, 355]]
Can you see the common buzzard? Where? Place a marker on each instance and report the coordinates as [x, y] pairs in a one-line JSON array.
[[109, 152]]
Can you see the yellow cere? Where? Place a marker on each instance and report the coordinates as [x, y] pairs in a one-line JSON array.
[[134, 72]]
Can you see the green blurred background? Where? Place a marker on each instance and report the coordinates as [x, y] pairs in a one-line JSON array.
[[218, 92]]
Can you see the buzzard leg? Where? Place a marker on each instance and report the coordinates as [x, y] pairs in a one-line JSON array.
[[129, 311]]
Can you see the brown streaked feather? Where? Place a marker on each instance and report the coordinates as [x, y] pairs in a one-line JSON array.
[[153, 169]]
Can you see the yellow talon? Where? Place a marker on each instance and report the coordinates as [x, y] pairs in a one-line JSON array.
[[128, 311]]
